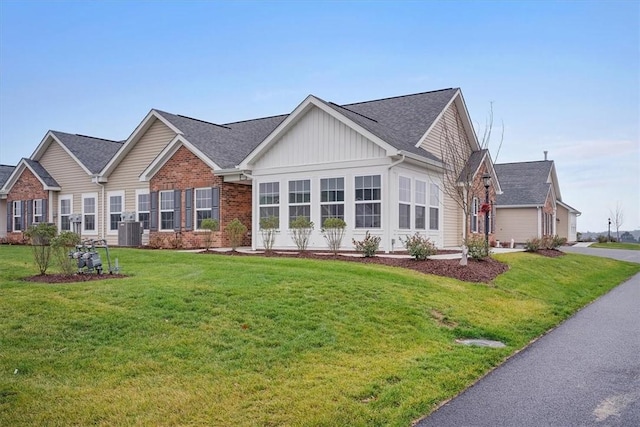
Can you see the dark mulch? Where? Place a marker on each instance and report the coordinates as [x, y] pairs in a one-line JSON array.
[[63, 278], [551, 253], [483, 271]]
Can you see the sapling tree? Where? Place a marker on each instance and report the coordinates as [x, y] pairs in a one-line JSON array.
[[301, 228], [235, 230], [268, 230], [333, 231], [210, 225], [40, 236]]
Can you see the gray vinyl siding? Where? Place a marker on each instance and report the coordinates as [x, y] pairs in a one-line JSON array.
[[433, 140], [452, 222]]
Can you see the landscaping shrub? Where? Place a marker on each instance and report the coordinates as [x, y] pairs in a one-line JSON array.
[[40, 236], [333, 231], [301, 227], [419, 247], [602, 239], [269, 229], [235, 230], [532, 245], [210, 225], [62, 244], [367, 246], [477, 247]]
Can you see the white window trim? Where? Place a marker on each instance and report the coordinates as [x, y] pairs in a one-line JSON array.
[[362, 202], [344, 195], [160, 211], [34, 202], [60, 199], [93, 196], [289, 204], [418, 204], [404, 202], [475, 208], [111, 194], [438, 206], [140, 192], [269, 205], [195, 206], [15, 203]]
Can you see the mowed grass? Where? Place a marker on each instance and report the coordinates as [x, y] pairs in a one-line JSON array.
[[193, 339], [617, 245]]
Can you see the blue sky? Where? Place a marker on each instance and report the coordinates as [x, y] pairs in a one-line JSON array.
[[562, 76]]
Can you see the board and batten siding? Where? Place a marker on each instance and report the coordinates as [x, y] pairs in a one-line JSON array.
[[519, 224], [126, 176], [319, 138], [73, 180]]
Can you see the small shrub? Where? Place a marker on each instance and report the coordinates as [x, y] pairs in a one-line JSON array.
[[367, 246], [301, 227], [477, 247], [210, 225], [40, 236], [269, 229], [546, 242], [175, 242], [235, 230], [532, 245], [602, 239], [419, 247], [62, 244], [333, 231], [156, 241]]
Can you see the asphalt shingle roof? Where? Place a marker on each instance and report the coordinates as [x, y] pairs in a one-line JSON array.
[[227, 145], [93, 153], [473, 164], [524, 183], [42, 173], [5, 173]]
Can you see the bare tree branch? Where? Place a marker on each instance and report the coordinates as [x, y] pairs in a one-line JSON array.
[[617, 218]]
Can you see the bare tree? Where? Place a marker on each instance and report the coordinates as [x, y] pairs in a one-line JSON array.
[[617, 218], [458, 178]]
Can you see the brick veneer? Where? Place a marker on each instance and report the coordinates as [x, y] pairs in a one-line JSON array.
[[478, 190], [184, 170], [27, 187]]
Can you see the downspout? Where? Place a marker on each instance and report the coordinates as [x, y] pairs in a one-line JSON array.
[[102, 211], [539, 222], [387, 230]]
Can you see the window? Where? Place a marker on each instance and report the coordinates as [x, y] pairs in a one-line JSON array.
[[65, 213], [269, 199], [331, 198], [404, 198], [38, 211], [475, 208], [434, 207], [203, 205], [421, 201], [143, 208], [299, 199], [17, 215], [368, 196], [115, 210], [166, 210], [89, 212]]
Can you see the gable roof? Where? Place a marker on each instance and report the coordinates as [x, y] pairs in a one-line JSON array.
[[476, 160], [227, 144], [94, 153], [5, 173], [48, 182], [525, 183]]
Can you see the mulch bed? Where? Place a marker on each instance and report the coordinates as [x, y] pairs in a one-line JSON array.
[[483, 271], [551, 253], [63, 278]]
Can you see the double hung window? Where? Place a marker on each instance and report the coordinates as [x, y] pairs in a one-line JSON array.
[[404, 197], [269, 199], [421, 202], [299, 199], [331, 198], [368, 194], [166, 210]]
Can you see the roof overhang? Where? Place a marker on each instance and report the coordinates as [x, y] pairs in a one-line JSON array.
[[139, 131], [569, 208], [169, 150], [13, 178], [299, 112]]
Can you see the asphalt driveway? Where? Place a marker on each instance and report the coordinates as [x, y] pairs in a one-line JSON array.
[[584, 373], [619, 254]]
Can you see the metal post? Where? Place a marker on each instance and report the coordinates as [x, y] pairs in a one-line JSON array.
[[609, 232], [486, 178]]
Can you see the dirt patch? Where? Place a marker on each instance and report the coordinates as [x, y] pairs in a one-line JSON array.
[[483, 271], [551, 253], [63, 278]]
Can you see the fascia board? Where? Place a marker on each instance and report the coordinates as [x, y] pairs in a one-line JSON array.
[[44, 146], [18, 171], [569, 208], [296, 114], [169, 151], [492, 171], [422, 159], [467, 119], [138, 132]]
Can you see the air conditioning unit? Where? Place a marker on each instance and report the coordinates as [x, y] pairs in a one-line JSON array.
[[128, 216], [129, 233]]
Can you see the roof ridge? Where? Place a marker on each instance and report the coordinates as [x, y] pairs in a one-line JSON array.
[[101, 139], [259, 118], [530, 161], [401, 96], [202, 121], [354, 112]]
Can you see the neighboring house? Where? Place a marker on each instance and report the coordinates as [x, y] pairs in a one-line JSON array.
[[531, 204], [5, 173], [377, 164]]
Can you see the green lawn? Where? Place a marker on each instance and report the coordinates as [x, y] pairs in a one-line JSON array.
[[616, 245], [215, 340]]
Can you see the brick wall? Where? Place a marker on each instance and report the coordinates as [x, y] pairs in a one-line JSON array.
[[184, 170], [478, 190], [27, 187]]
